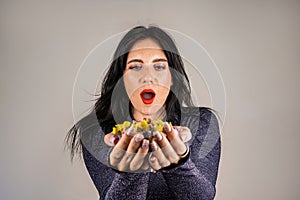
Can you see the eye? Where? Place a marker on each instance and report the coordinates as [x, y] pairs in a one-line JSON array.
[[159, 67], [135, 67]]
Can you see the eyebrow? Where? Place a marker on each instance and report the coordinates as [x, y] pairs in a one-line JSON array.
[[159, 60], [135, 60], [140, 61]]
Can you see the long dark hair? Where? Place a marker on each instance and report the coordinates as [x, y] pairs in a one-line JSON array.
[[107, 105]]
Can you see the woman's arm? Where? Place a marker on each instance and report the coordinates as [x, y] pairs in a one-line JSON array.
[[112, 184], [132, 186], [196, 178]]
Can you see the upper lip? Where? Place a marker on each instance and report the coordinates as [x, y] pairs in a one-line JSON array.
[[148, 91]]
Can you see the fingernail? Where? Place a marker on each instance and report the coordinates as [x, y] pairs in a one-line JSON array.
[[138, 138], [157, 135], [167, 127], [152, 159], [145, 144], [111, 139], [154, 146], [129, 131], [183, 137]]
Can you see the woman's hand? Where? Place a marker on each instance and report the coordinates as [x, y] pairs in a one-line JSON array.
[[130, 152], [169, 146]]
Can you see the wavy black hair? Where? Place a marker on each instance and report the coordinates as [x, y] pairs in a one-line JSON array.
[[107, 105]]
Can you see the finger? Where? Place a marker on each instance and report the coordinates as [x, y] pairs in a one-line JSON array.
[[130, 152], [123, 165], [166, 147], [138, 159], [169, 130], [177, 144], [135, 143], [145, 165], [184, 133], [154, 163], [161, 139], [116, 156], [159, 155], [120, 148], [111, 140], [126, 138]]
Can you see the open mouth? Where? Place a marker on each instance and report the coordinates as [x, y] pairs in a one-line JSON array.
[[147, 96]]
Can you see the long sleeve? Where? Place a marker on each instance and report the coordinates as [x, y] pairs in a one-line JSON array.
[[131, 186], [196, 178], [112, 184]]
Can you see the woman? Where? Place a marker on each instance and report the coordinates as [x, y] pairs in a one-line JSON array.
[[147, 80]]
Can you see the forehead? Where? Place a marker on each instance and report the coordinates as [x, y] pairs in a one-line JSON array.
[[146, 48]]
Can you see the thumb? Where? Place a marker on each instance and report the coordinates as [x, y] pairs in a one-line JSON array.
[[185, 134]]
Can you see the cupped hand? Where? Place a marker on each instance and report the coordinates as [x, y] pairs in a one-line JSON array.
[[169, 146], [130, 152]]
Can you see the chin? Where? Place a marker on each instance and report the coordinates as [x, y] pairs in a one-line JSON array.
[[152, 109]]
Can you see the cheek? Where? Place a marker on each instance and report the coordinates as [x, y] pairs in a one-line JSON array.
[[162, 94], [165, 80], [165, 83], [129, 83]]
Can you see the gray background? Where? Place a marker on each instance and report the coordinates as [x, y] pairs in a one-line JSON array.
[[255, 44]]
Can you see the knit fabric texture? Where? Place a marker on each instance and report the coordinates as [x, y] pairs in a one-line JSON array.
[[195, 178]]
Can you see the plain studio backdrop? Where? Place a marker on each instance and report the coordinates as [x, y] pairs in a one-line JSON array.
[[255, 45]]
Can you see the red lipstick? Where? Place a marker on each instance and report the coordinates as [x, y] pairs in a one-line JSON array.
[[147, 96]]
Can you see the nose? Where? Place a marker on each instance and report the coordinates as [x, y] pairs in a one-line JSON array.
[[148, 77]]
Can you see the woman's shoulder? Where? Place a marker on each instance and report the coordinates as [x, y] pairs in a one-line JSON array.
[[203, 123], [90, 123], [89, 130], [199, 119]]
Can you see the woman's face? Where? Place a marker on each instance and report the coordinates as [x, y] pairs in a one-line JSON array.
[[147, 78]]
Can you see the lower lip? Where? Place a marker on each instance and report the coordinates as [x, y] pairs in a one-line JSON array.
[[147, 101]]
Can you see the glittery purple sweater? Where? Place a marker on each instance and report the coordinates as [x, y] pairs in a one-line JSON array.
[[195, 178]]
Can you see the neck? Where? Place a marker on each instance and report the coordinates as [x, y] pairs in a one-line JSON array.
[[139, 116]]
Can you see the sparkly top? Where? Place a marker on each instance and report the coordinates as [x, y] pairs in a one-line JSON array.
[[195, 178]]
